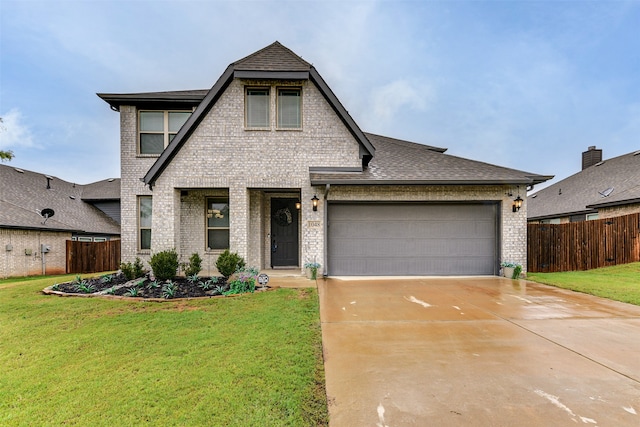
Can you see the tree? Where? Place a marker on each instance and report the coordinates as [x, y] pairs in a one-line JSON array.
[[5, 156]]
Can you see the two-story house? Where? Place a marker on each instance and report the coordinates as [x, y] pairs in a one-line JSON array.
[[270, 164]]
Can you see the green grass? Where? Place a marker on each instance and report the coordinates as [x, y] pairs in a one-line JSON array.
[[620, 283], [252, 360]]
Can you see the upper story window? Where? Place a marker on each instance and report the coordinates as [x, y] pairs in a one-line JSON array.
[[257, 107], [157, 129], [289, 108]]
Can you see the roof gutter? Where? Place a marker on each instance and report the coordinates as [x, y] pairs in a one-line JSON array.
[[614, 203], [351, 181]]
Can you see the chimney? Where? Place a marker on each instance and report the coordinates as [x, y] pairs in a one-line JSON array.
[[590, 157]]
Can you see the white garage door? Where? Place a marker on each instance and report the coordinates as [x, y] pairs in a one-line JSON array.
[[398, 239]]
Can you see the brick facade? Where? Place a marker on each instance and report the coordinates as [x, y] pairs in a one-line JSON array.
[[251, 167], [20, 252], [614, 211]]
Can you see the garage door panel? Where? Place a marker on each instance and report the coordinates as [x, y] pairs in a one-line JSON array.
[[412, 239]]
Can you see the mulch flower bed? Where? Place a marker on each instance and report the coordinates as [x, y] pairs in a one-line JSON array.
[[117, 284]]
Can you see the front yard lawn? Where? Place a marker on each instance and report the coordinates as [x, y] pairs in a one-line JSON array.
[[620, 282], [252, 360]]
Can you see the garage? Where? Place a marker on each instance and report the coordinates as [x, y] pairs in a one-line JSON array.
[[399, 239]]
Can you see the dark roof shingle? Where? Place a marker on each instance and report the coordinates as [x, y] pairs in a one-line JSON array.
[[24, 194], [581, 192], [403, 162], [274, 57]]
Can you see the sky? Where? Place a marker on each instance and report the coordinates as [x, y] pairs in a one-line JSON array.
[[528, 85]]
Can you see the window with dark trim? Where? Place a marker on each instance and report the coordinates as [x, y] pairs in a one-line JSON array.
[[289, 108], [257, 107], [218, 223], [157, 129], [145, 205]]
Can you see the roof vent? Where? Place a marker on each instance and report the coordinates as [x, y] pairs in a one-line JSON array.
[[18, 170], [635, 153], [534, 196], [599, 163], [111, 179], [606, 193], [72, 197], [49, 178]]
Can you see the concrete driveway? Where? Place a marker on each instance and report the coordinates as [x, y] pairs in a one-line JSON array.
[[482, 351]]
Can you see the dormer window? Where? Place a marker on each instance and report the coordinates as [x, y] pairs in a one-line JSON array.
[[257, 108], [289, 108], [157, 129]]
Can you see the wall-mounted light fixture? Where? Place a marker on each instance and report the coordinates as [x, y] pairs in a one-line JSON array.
[[314, 201], [298, 205], [517, 204]]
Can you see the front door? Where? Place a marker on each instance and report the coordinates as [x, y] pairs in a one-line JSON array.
[[284, 233]]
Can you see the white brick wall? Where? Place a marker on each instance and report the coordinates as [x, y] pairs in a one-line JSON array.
[[15, 262], [222, 158]]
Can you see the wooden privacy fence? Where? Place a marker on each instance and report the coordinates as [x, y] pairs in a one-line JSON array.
[[583, 245], [93, 257]]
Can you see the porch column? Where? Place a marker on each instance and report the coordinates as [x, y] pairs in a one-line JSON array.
[[313, 245], [165, 233], [239, 220]]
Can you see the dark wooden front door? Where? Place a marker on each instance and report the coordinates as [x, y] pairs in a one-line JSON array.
[[284, 233]]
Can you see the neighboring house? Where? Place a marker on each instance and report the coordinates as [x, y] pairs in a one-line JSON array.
[[25, 199], [268, 163], [602, 189]]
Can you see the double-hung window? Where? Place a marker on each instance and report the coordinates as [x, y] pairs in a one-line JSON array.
[[144, 222], [289, 108], [157, 129], [218, 223], [257, 107]]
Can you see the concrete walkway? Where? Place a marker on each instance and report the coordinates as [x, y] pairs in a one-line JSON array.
[[477, 352]]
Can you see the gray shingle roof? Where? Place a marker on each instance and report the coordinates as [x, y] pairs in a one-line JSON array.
[[23, 194], [580, 193], [398, 162], [276, 62], [403, 162], [274, 57], [107, 189]]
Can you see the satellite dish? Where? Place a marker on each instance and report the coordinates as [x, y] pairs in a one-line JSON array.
[[607, 192], [46, 213]]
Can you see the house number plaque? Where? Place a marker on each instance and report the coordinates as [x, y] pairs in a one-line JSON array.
[[313, 224]]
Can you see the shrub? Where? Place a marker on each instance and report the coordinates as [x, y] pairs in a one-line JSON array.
[[194, 266], [164, 264], [229, 262], [133, 271], [138, 268]]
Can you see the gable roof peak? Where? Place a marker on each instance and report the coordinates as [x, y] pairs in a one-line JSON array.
[[275, 57]]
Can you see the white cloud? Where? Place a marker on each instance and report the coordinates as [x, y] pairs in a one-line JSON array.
[[388, 100], [13, 133]]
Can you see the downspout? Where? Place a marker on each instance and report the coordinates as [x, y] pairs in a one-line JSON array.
[[326, 232]]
